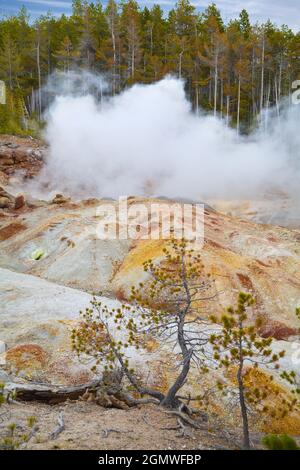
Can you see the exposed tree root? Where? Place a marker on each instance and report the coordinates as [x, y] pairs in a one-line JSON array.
[[185, 418], [185, 431], [108, 397]]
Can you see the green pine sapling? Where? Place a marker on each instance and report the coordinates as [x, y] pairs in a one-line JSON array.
[[240, 348]]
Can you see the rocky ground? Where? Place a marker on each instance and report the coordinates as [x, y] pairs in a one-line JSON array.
[[23, 156], [145, 427], [273, 209], [51, 260]]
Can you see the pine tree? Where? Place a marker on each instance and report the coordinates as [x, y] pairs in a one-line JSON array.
[[165, 308], [244, 23], [235, 69], [239, 347]]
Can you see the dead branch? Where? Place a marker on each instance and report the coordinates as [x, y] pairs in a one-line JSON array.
[[170, 428], [137, 401], [60, 426], [33, 432], [185, 418], [145, 419], [5, 415], [106, 432], [185, 432]]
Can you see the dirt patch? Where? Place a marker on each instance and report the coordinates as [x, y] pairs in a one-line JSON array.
[[245, 281], [89, 426], [11, 230]]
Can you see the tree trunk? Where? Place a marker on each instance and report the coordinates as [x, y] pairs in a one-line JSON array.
[[243, 407], [244, 413], [238, 108], [170, 399], [227, 110], [197, 100], [48, 393], [253, 84], [132, 61], [276, 96], [280, 79], [216, 84], [221, 98], [262, 77], [267, 105], [10, 67], [180, 64], [114, 57], [39, 78], [151, 40], [210, 86]]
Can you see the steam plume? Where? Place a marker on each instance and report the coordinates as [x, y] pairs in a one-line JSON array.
[[148, 140]]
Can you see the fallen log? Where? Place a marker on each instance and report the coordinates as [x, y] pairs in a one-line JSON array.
[[48, 393]]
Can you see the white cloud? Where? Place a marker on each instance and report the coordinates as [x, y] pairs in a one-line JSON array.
[[48, 3], [278, 11]]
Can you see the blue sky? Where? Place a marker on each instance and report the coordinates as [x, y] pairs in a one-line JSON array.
[[279, 11]]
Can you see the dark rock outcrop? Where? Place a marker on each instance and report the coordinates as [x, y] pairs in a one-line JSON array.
[[21, 155]]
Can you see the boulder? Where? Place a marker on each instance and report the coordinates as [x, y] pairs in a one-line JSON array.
[[4, 162], [5, 152], [20, 154], [12, 145], [36, 323], [19, 202], [3, 178], [60, 199], [5, 202], [277, 330]]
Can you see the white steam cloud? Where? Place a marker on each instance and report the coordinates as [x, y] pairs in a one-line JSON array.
[[147, 141]]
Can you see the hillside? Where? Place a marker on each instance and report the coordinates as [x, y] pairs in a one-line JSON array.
[[52, 261]]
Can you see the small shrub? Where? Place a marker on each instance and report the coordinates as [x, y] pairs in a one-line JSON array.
[[13, 440], [2, 398], [279, 442]]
